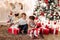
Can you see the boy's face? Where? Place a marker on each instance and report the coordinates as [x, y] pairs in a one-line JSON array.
[[24, 16]]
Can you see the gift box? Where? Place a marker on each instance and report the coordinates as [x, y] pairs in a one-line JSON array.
[[50, 30], [47, 26], [30, 32], [16, 31], [36, 32], [54, 31], [10, 30], [44, 30], [13, 30]]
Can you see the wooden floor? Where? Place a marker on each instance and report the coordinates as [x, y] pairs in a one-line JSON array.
[[4, 35]]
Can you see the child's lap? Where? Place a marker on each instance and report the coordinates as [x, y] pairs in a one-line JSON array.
[[23, 27]]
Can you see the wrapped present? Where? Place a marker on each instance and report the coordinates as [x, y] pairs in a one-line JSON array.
[[50, 30], [12, 30], [54, 31], [30, 33], [44, 30], [16, 31], [47, 26], [36, 32]]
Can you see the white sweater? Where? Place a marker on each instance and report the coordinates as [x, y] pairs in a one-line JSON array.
[[22, 21]]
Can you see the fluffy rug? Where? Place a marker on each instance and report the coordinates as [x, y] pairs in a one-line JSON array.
[[4, 35]]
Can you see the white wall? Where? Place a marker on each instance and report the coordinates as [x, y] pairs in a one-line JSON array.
[[27, 4]]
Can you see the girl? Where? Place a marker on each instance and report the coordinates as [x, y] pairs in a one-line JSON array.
[[32, 27], [33, 31]]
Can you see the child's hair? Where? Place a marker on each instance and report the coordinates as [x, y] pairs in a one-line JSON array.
[[23, 14], [31, 17]]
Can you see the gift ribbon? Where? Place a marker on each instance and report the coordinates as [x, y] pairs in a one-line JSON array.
[[14, 27], [54, 31], [12, 30], [36, 32], [31, 31]]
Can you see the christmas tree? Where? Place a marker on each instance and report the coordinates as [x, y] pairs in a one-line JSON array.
[[48, 8]]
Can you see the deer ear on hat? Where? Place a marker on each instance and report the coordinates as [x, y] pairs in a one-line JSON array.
[[21, 5]]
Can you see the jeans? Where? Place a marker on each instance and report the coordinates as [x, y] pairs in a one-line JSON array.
[[23, 27]]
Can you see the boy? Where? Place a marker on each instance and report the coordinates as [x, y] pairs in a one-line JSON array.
[[23, 24]]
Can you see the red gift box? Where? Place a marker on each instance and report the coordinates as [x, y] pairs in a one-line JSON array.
[[31, 31], [50, 30], [44, 30], [47, 26], [10, 30], [54, 31], [13, 30], [16, 31], [36, 32]]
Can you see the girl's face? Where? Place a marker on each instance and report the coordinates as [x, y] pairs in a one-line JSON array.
[[30, 19]]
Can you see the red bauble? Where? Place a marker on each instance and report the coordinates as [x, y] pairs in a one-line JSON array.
[[36, 18], [46, 1], [42, 23], [47, 26], [48, 22], [39, 25], [54, 22], [42, 13]]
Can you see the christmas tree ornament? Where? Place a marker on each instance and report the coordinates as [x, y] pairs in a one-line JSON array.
[[46, 1]]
